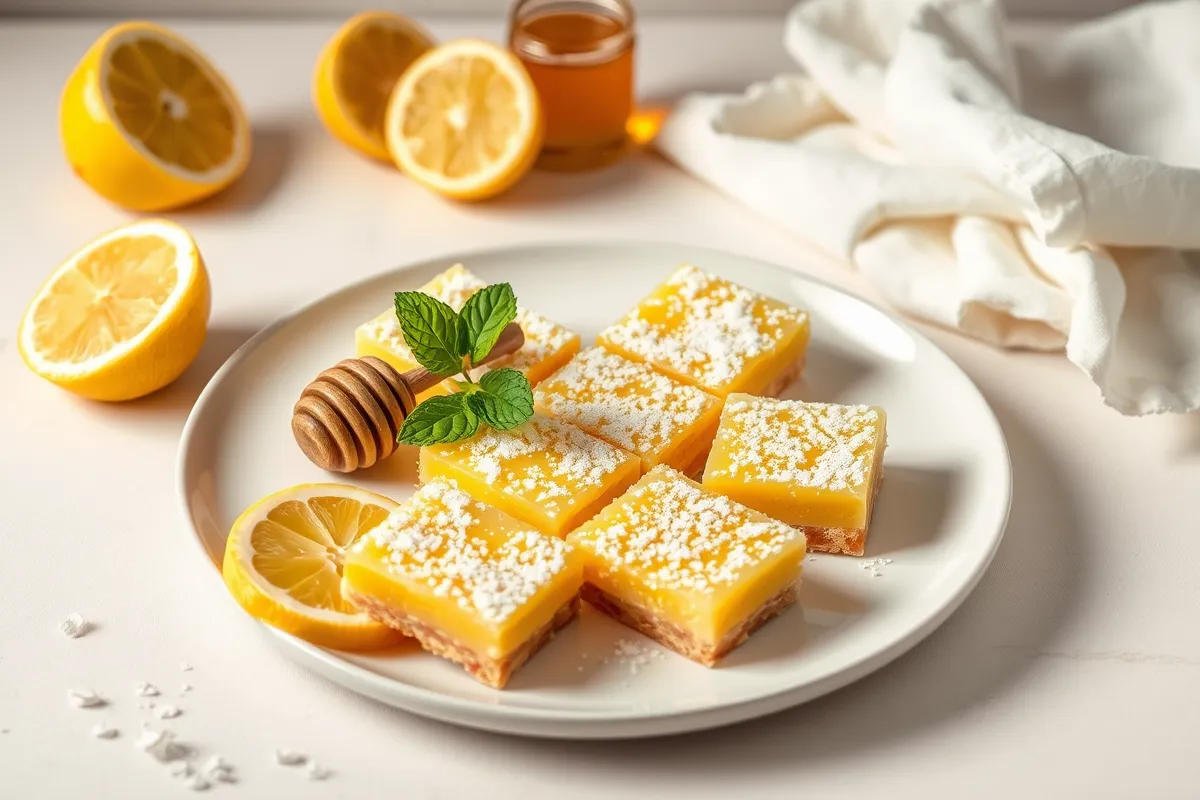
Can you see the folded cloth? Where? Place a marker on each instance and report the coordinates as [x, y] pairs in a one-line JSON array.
[[1035, 194]]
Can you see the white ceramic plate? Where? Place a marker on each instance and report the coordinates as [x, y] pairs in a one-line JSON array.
[[940, 515]]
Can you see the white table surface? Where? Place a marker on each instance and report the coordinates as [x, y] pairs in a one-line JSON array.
[[1073, 671]]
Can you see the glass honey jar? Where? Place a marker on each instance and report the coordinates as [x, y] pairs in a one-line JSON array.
[[579, 54]]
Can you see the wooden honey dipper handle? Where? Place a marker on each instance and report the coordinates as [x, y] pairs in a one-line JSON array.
[[348, 417]]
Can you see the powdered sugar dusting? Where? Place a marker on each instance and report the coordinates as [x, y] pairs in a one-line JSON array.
[[634, 654], [875, 566], [789, 442], [623, 402], [677, 536], [543, 337], [315, 772], [437, 538], [546, 462], [312, 770], [219, 770], [167, 711], [290, 758], [704, 329], [102, 730], [86, 698], [75, 626], [161, 745]]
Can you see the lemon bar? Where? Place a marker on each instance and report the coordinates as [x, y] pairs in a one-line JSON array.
[[629, 404], [816, 466], [544, 472], [469, 582], [715, 334], [687, 567], [547, 347]]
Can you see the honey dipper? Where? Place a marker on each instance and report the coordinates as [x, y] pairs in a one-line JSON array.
[[349, 416]]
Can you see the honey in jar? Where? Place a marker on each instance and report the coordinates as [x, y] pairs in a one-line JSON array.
[[579, 54]]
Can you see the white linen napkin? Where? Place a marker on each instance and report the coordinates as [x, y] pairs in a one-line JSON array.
[[1033, 194]]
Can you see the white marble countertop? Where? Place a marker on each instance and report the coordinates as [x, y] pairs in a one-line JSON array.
[[1073, 671]]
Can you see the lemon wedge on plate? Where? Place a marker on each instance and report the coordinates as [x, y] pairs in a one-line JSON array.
[[283, 563], [357, 71], [149, 123], [122, 317], [465, 120]]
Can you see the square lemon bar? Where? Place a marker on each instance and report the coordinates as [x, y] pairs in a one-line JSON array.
[[469, 582], [712, 333], [546, 473], [816, 466], [629, 404], [687, 567], [547, 347]]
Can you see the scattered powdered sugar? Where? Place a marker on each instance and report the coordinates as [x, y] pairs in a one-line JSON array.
[[167, 712], [625, 402], [75, 626], [185, 667], [185, 773], [184, 689], [103, 731], [875, 566], [675, 535], [218, 770], [818, 445], [546, 462], [634, 654], [312, 770], [86, 698], [437, 538], [144, 689], [704, 328], [161, 745], [315, 772]]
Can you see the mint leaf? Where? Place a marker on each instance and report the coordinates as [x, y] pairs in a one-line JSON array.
[[439, 420], [483, 317], [505, 399], [430, 330]]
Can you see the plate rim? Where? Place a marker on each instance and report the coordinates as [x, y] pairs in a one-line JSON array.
[[591, 724]]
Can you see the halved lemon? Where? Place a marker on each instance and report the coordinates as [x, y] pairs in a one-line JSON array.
[[357, 72], [122, 317], [465, 120], [283, 563], [149, 123]]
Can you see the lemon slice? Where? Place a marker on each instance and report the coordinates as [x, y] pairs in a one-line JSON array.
[[357, 71], [465, 120], [283, 563], [149, 123], [122, 317]]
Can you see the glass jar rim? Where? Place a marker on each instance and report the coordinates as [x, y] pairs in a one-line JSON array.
[[604, 49]]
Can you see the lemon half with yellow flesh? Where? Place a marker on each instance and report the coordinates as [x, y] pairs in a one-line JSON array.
[[149, 123], [283, 563], [123, 316], [357, 72], [465, 120]]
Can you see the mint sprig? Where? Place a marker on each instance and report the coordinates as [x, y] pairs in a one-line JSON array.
[[446, 418], [449, 343], [430, 330], [505, 399], [483, 317]]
